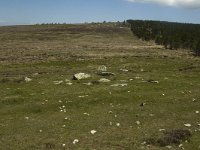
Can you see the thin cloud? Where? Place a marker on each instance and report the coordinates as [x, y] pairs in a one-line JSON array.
[[174, 3]]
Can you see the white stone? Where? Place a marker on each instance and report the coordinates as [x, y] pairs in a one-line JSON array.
[[118, 124], [57, 82], [75, 141], [104, 80], [115, 85], [138, 122], [187, 125], [27, 79], [93, 131], [102, 68], [80, 76]]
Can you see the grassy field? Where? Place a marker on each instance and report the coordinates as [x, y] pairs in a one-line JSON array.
[[43, 115]]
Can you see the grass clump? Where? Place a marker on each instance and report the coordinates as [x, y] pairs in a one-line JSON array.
[[175, 136]]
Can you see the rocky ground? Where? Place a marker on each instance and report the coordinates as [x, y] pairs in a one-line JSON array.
[[86, 87]]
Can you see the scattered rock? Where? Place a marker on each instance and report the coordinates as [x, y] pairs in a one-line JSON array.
[[86, 114], [82, 96], [142, 104], [93, 131], [168, 146], [118, 124], [27, 79], [187, 125], [102, 68], [69, 83], [75, 141], [124, 70], [89, 83], [118, 84], [138, 122], [57, 82], [26, 118], [67, 80], [104, 80], [80, 76], [35, 74]]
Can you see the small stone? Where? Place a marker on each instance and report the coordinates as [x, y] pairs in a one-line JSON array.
[[115, 85], [40, 131], [104, 80], [118, 124], [86, 114], [82, 96], [80, 76], [69, 83], [187, 125], [93, 131], [181, 145], [124, 70], [63, 145], [26, 118], [89, 83], [57, 82], [27, 79], [138, 122], [169, 147], [75, 141], [197, 112], [151, 115], [142, 104], [102, 68]]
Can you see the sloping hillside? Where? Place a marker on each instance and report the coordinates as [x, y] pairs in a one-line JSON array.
[[138, 96]]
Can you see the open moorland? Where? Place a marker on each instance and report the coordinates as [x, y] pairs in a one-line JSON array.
[[147, 99]]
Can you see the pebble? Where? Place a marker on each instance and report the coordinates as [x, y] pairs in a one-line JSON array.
[[187, 125], [75, 141], [93, 131], [138, 122], [118, 124]]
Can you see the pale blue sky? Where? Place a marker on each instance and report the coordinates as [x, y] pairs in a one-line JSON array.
[[78, 11]]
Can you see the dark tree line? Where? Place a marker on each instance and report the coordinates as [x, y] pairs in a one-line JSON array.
[[171, 35]]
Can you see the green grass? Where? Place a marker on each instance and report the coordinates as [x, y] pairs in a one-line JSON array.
[[41, 99]]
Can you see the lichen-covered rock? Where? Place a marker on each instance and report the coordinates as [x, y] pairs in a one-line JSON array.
[[80, 76]]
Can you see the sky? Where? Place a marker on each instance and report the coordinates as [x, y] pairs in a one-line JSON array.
[[15, 12]]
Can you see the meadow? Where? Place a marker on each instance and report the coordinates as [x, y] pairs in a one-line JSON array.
[[153, 90]]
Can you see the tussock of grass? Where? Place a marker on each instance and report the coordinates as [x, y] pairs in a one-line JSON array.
[[175, 136]]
